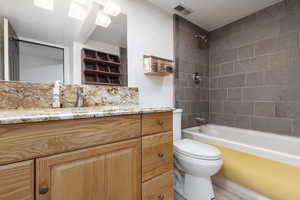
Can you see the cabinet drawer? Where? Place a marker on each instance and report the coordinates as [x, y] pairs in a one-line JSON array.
[[157, 155], [159, 188], [32, 140], [156, 123]]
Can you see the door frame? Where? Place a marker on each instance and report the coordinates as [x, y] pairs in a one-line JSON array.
[[65, 50], [6, 50], [66, 53]]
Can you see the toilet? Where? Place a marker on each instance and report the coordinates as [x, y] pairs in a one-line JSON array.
[[195, 163]]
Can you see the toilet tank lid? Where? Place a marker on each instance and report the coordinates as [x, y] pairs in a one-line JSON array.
[[197, 149]]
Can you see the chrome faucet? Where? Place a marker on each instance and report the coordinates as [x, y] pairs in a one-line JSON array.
[[201, 122], [80, 101]]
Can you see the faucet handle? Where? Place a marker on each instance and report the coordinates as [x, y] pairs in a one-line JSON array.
[[80, 91]]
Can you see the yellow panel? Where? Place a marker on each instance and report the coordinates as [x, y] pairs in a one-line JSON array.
[[275, 180]]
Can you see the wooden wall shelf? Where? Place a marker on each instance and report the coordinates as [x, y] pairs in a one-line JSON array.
[[158, 73], [99, 68], [158, 66]]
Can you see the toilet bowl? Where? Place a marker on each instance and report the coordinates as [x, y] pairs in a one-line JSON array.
[[197, 162]]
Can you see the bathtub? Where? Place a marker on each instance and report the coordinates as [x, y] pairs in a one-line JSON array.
[[264, 162]]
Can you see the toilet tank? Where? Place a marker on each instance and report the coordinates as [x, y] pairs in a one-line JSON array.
[[177, 124]]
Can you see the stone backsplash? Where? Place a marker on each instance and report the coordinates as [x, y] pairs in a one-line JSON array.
[[26, 95]]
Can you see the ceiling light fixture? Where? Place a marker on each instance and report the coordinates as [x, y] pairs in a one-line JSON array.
[[112, 8], [45, 4], [78, 10], [103, 20]]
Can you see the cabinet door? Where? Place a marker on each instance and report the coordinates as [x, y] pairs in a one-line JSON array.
[[109, 172], [17, 181]]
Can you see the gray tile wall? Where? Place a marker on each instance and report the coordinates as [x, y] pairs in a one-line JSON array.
[[192, 97], [254, 68]]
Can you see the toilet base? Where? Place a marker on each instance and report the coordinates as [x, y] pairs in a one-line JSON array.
[[196, 188]]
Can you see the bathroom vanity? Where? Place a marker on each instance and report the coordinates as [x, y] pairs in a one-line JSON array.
[[124, 155]]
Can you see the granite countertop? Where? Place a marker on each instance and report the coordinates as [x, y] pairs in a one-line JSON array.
[[40, 115]]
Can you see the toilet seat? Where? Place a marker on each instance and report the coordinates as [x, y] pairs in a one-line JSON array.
[[197, 150]]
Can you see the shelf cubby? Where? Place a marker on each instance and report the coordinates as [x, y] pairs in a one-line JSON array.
[[100, 68]]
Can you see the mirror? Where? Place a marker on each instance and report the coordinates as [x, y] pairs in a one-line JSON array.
[[71, 41]]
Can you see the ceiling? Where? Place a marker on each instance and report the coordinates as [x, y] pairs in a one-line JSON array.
[[35, 23], [213, 14], [115, 34], [55, 26]]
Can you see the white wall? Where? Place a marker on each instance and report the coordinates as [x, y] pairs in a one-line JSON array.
[[150, 32], [76, 56]]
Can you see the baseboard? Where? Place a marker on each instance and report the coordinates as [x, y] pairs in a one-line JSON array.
[[237, 189]]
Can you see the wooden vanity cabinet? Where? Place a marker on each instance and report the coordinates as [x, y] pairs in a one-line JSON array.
[[126, 157], [105, 172]]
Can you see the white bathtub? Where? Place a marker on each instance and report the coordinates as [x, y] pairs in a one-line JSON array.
[[279, 148]]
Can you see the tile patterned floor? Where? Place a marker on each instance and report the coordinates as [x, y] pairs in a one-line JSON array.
[[221, 194], [178, 197]]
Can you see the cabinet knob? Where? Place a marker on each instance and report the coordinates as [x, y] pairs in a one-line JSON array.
[[161, 197], [161, 155], [43, 190], [161, 123]]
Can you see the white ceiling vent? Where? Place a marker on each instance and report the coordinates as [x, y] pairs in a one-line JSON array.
[[181, 9]]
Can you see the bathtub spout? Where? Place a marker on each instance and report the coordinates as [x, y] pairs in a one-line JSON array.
[[201, 121]]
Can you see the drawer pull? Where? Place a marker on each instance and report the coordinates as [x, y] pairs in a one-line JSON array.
[[161, 197], [43, 190], [161, 123], [161, 155]]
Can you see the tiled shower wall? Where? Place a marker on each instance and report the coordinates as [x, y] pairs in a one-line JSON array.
[[255, 72], [190, 58]]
